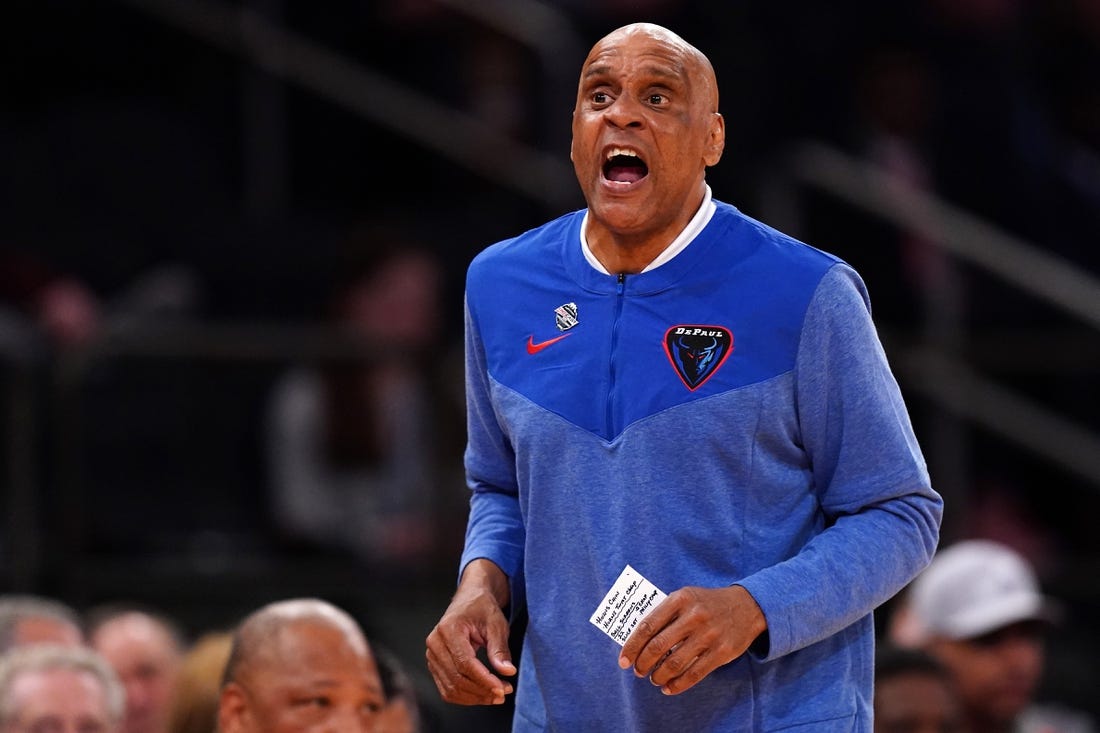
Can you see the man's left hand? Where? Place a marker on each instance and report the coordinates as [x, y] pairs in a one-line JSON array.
[[693, 632]]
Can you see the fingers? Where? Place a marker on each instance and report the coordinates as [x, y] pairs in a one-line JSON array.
[[643, 648], [499, 655], [681, 670], [459, 675], [654, 637], [675, 660], [465, 680], [502, 663], [657, 650], [690, 634]]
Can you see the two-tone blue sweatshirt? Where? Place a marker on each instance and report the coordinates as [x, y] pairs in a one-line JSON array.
[[728, 417]]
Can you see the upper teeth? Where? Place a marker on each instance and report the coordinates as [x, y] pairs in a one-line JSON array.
[[620, 151]]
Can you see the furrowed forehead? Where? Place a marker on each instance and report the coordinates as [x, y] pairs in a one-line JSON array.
[[657, 54], [655, 69]]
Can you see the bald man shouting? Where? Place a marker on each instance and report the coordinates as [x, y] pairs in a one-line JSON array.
[[663, 390]]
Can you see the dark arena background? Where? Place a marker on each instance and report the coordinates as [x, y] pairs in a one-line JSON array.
[[198, 198]]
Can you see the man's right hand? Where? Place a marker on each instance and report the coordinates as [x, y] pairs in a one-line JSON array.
[[474, 620]]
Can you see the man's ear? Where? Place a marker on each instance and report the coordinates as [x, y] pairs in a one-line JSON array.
[[233, 710], [716, 140]]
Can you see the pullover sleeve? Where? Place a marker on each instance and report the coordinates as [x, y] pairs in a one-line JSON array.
[[882, 516], [495, 528]]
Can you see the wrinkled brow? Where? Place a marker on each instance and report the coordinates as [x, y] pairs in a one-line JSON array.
[[656, 70], [591, 71]]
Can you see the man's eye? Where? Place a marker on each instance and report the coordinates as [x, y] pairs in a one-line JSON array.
[[599, 98], [320, 701], [656, 99]]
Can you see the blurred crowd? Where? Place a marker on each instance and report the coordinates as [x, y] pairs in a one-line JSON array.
[[965, 652], [231, 308], [291, 665]]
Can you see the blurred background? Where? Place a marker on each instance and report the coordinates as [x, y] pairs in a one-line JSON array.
[[234, 235]]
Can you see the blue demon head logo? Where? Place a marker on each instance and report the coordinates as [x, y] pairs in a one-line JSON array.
[[696, 352]]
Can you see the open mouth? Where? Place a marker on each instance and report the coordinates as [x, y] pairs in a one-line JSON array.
[[624, 166]]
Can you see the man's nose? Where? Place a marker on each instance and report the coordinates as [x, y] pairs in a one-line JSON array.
[[625, 111]]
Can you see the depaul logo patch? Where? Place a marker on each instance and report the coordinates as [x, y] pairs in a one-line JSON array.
[[696, 352]]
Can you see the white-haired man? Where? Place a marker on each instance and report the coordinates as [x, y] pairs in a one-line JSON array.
[[61, 689]]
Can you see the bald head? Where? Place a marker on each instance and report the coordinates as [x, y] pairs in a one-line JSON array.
[[296, 664], [695, 65], [266, 636]]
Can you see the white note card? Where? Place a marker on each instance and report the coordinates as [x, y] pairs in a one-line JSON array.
[[631, 597]]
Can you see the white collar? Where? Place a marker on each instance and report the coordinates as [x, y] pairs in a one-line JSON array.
[[696, 225]]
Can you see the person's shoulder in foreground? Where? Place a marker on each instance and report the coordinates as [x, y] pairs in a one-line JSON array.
[[658, 381], [296, 665]]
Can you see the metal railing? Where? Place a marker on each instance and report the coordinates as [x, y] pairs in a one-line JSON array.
[[40, 386], [458, 136], [934, 367], [955, 230]]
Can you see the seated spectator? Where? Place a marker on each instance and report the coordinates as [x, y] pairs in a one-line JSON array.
[[978, 608], [194, 707], [300, 665], [352, 443], [914, 693], [48, 688], [145, 649], [28, 619]]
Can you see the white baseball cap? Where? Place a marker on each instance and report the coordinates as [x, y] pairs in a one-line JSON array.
[[974, 587]]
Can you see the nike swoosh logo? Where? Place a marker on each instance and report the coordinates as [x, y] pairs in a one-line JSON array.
[[533, 348]]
